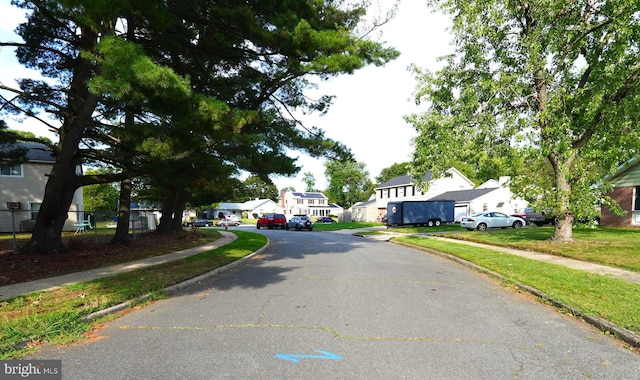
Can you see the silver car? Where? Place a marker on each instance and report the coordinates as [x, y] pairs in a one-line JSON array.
[[484, 220], [299, 223]]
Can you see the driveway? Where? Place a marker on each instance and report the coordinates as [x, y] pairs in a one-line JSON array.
[[319, 305]]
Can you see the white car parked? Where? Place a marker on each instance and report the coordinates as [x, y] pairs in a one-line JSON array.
[[494, 219]]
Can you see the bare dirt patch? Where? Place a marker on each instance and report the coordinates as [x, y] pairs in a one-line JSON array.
[[85, 252]]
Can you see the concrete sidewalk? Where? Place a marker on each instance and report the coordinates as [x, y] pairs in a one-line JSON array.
[[14, 290], [558, 260]]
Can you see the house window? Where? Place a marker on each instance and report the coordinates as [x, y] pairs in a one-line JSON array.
[[35, 208], [321, 201], [300, 201], [311, 201], [401, 192], [636, 199], [11, 170], [485, 207]]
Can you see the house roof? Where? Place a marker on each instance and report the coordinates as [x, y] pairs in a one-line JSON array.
[[230, 206], [365, 203], [403, 180], [463, 195], [622, 169], [251, 205], [37, 152], [311, 195]]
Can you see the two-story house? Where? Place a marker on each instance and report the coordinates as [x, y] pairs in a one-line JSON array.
[[22, 190], [403, 188], [493, 195], [308, 203]]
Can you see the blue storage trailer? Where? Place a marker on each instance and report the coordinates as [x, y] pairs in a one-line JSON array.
[[420, 213]]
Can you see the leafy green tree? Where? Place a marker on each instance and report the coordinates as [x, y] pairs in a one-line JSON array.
[[248, 64], [99, 197], [559, 80], [287, 188], [349, 182], [395, 170], [9, 152], [254, 187], [309, 181]]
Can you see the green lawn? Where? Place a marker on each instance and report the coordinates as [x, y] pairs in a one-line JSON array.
[[617, 247]]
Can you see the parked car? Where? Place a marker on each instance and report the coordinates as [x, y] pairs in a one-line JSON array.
[[538, 218], [223, 216], [271, 221], [485, 220], [199, 223], [233, 218], [325, 219], [299, 223], [227, 222]]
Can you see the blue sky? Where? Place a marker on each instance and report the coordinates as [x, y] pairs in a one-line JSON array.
[[367, 113]]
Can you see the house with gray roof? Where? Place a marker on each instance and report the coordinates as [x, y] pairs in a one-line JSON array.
[[313, 204], [403, 188], [251, 209], [493, 195], [366, 211], [473, 201], [22, 191]]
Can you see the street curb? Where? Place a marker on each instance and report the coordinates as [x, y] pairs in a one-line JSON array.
[[603, 325], [174, 288]]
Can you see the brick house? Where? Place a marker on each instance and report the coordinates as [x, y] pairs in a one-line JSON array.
[[626, 192]]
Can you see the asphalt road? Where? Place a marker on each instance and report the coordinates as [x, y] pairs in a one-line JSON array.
[[319, 305]]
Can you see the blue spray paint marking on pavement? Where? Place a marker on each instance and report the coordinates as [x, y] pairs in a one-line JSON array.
[[294, 358]]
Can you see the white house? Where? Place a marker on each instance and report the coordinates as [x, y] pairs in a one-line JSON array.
[[365, 211], [22, 190], [403, 188], [308, 203], [255, 207], [469, 202]]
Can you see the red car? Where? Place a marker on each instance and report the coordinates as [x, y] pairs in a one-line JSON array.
[[272, 221]]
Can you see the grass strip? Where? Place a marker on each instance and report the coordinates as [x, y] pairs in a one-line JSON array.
[[615, 247], [56, 316], [614, 300]]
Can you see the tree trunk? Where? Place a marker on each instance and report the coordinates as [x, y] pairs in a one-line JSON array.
[[178, 209], [166, 215], [172, 207], [124, 211], [63, 180], [563, 232]]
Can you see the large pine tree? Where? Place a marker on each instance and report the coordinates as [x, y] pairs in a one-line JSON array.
[[137, 76]]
